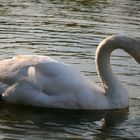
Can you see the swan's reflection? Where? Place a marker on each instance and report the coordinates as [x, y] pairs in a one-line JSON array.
[[43, 117]]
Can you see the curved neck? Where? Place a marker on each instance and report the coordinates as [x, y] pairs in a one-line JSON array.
[[104, 70], [103, 53], [113, 87]]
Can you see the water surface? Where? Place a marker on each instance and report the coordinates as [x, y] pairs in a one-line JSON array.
[[70, 30]]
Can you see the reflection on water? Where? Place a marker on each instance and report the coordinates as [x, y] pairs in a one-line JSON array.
[[70, 30], [23, 122], [27, 122]]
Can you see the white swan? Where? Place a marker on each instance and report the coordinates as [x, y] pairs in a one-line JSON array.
[[43, 81]]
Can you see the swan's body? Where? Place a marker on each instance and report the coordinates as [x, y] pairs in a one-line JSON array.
[[43, 81]]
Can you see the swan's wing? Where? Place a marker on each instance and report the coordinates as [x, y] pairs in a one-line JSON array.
[[54, 77], [48, 75], [59, 78], [37, 68], [12, 70]]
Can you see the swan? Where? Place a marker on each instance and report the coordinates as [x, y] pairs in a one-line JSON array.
[[42, 81]]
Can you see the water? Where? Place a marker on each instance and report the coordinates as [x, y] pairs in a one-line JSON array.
[[70, 30]]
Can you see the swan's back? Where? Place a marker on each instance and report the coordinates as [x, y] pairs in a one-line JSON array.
[[17, 67], [23, 66]]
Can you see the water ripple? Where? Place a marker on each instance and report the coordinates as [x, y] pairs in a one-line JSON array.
[[70, 30]]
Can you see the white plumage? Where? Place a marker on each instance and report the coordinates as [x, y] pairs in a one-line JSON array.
[[42, 81]]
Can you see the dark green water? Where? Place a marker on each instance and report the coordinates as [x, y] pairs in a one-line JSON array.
[[70, 30]]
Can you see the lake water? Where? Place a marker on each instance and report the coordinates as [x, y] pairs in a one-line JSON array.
[[70, 30]]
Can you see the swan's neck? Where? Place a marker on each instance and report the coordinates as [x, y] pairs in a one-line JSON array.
[[114, 90]]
